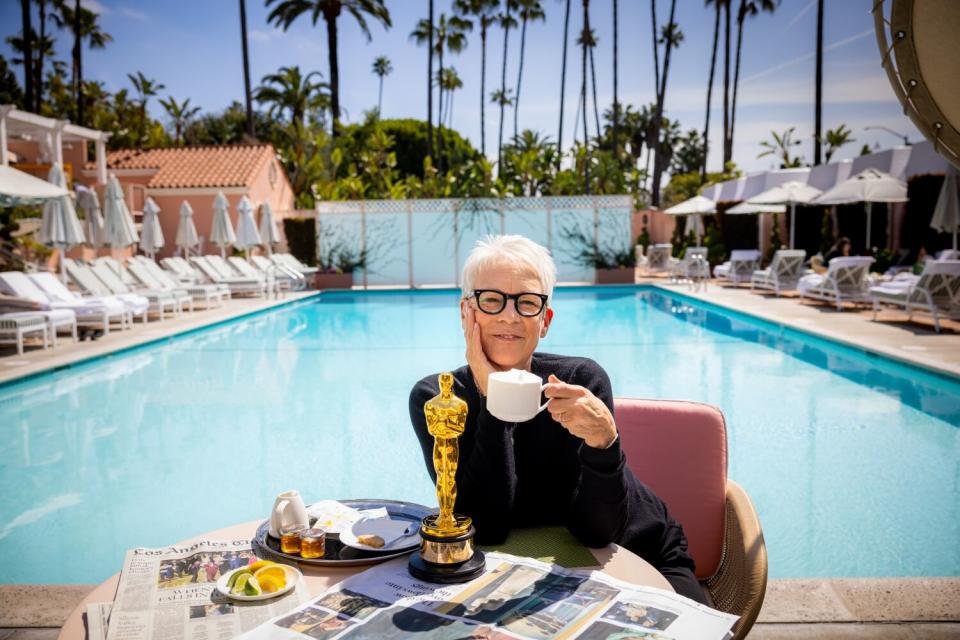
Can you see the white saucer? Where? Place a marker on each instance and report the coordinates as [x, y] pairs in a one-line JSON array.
[[293, 578], [349, 538]]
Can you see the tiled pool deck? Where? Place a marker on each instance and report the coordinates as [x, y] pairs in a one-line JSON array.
[[838, 608]]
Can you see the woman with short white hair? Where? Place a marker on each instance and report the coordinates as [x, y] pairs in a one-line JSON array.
[[564, 466]]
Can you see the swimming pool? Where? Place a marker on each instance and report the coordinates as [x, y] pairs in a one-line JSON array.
[[851, 459]]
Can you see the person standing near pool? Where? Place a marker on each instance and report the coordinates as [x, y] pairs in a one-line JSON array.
[[565, 466]]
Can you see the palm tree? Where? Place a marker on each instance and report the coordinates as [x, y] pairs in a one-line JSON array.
[[27, 39], [588, 39], [530, 11], [449, 82], [507, 22], [836, 138], [83, 23], [145, 88], [287, 11], [247, 95], [616, 104], [450, 35], [41, 51], [563, 80], [430, 149], [818, 109], [502, 99], [180, 114], [747, 8], [727, 148], [717, 4], [38, 47], [381, 67], [584, 37], [781, 146], [484, 11], [290, 91], [670, 37]]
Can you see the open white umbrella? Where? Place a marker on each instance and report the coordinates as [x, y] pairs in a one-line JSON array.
[[187, 238], [946, 215], [247, 234], [695, 206], [222, 233], [868, 186], [60, 228], [269, 232], [745, 208], [18, 187], [151, 236], [88, 201], [118, 228], [790, 193]]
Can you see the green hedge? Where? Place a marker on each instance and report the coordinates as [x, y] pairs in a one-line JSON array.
[[301, 236]]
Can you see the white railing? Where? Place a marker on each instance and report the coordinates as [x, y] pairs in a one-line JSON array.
[[425, 242]]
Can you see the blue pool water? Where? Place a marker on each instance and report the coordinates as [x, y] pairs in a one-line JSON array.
[[852, 460]]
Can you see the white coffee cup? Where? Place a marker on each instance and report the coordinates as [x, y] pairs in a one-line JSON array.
[[288, 509], [514, 396]]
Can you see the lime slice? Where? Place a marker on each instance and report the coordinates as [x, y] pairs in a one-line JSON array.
[[240, 584], [236, 576], [252, 587]]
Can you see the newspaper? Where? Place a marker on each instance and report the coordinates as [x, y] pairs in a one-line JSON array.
[[516, 598], [169, 593], [98, 618]]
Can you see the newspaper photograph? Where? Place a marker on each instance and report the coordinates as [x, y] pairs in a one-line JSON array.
[[170, 593], [515, 599]]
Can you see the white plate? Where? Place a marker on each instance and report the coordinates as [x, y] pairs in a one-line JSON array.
[[349, 538], [293, 577]]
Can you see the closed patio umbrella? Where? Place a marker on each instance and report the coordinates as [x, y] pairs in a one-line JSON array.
[[118, 228], [60, 228], [695, 206], [151, 236], [222, 233], [268, 227], [187, 238], [946, 215], [89, 203], [868, 186], [790, 193], [247, 234]]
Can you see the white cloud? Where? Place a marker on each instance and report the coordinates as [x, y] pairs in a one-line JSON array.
[[133, 13], [97, 7], [257, 35]]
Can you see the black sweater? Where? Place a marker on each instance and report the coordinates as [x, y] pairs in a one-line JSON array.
[[536, 473]]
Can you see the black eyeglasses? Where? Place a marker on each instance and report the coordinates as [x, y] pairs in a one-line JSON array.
[[492, 302]]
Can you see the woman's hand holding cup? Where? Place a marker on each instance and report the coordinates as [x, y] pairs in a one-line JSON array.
[[581, 413]]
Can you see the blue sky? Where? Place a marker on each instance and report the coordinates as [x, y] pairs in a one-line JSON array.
[[193, 47]]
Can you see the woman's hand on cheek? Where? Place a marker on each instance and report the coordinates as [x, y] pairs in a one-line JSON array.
[[480, 365]]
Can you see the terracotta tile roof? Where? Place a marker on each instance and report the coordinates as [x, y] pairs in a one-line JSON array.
[[186, 167]]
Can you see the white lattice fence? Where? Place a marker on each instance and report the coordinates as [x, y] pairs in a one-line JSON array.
[[425, 242]]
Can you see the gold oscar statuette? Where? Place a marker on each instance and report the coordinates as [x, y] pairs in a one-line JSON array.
[[446, 552]]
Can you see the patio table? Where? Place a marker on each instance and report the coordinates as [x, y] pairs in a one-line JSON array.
[[612, 559]]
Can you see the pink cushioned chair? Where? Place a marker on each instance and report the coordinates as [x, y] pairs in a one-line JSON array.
[[679, 449]]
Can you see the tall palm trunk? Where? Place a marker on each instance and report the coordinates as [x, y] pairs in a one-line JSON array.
[[713, 68], [616, 104], [563, 81], [818, 116], [593, 80], [516, 98], [440, 118], [246, 69], [727, 146], [658, 117], [330, 16], [503, 89], [583, 98], [77, 62], [27, 54], [38, 82], [483, 87], [430, 83], [736, 74], [656, 52], [380, 98]]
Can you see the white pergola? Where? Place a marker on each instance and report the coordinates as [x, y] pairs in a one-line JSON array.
[[50, 132]]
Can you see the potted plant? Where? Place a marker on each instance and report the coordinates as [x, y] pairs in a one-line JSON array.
[[336, 266], [612, 263]]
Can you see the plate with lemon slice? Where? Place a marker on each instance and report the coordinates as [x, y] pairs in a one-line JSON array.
[[261, 580]]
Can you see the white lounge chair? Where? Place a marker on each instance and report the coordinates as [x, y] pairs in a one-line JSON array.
[[107, 270], [289, 260], [14, 327], [658, 258], [238, 285], [740, 267], [286, 277], [27, 296], [91, 312], [183, 270], [84, 277], [846, 280], [783, 273], [246, 270], [693, 264], [937, 290], [150, 271]]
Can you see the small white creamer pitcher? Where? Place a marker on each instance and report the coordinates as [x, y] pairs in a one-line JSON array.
[[288, 509]]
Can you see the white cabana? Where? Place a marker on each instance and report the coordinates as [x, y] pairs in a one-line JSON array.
[[187, 239], [60, 228], [17, 187], [745, 208], [222, 233], [268, 227], [247, 234], [693, 208], [868, 186], [118, 228], [946, 215], [151, 235], [89, 203], [790, 193]]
